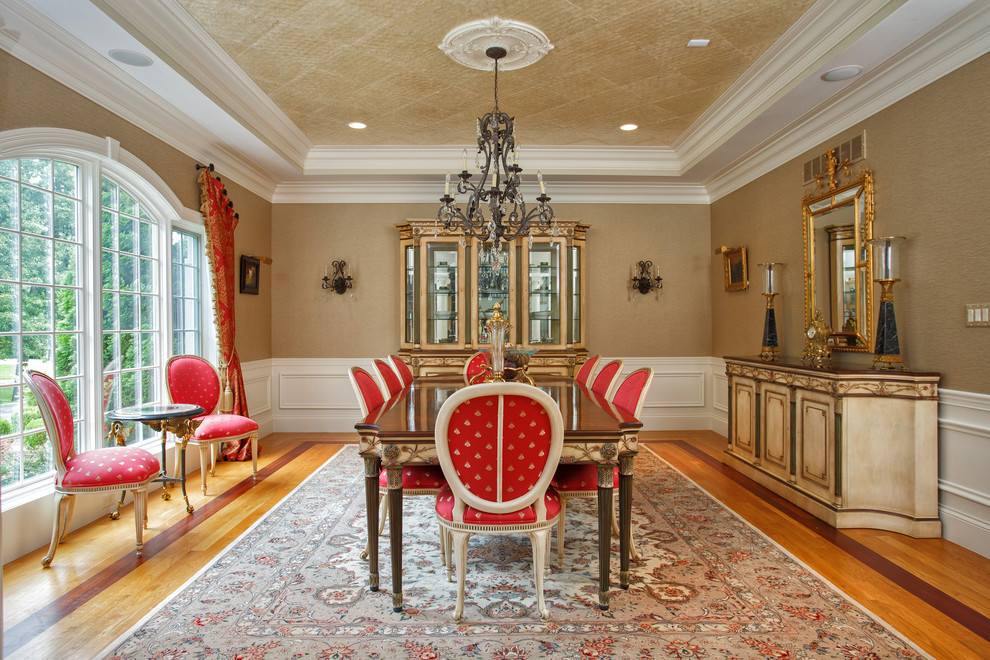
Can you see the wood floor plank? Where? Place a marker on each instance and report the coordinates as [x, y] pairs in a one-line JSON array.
[[933, 591]]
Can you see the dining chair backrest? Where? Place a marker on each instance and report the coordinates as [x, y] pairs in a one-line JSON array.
[[388, 377], [476, 365], [498, 445], [583, 375], [369, 395], [191, 379], [402, 369], [631, 392], [56, 414], [607, 378]]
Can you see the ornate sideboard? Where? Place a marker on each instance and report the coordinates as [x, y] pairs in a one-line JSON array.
[[853, 448]]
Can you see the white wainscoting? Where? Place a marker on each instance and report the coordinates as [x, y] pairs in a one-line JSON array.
[[964, 468], [315, 395]]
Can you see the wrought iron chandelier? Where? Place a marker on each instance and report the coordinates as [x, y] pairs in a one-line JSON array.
[[498, 158]]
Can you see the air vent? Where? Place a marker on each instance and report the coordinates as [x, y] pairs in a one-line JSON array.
[[848, 152]]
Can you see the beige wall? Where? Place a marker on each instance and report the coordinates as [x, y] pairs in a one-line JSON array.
[[39, 101], [308, 321], [928, 156]]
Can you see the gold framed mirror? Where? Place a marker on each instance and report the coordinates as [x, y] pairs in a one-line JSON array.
[[838, 264]]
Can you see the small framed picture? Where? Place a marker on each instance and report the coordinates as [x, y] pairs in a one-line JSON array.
[[250, 274], [736, 275]]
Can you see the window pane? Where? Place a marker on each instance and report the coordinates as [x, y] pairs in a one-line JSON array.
[[37, 172], [126, 203], [36, 308], [128, 350], [66, 264], [66, 308], [147, 239], [109, 194], [177, 276], [191, 277], [149, 309], [111, 353], [108, 230], [109, 278], [147, 284], [37, 352], [36, 211], [128, 311], [8, 168], [66, 355], [128, 389], [9, 255], [110, 311], [36, 260], [125, 234], [128, 273], [37, 455], [8, 204], [66, 178], [66, 218], [10, 308], [148, 349], [10, 355]]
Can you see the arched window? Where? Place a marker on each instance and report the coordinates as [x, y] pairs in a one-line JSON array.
[[90, 248]]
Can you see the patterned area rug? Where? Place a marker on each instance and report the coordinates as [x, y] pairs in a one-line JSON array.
[[710, 586]]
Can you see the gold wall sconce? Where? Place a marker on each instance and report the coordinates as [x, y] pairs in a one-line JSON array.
[[340, 280], [646, 277]]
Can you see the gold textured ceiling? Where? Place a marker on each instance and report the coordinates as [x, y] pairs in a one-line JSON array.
[[329, 62]]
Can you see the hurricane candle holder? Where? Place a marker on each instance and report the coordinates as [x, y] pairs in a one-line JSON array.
[[886, 271], [498, 326], [771, 347]]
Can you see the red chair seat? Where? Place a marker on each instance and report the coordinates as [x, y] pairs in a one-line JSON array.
[[110, 466], [445, 509], [417, 477], [579, 477], [223, 426]]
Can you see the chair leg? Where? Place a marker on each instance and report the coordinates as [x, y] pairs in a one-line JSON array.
[[140, 505], [254, 455], [460, 542], [213, 461], [205, 457], [539, 540], [560, 533], [448, 552], [60, 506], [68, 516]]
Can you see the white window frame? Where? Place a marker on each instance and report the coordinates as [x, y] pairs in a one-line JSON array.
[[98, 157]]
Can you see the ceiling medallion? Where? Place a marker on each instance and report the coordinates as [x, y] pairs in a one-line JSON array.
[[523, 43]]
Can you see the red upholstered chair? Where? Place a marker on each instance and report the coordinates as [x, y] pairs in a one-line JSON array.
[[393, 385], [583, 375], [581, 480], [95, 471], [191, 379], [416, 479], [475, 368], [498, 445], [607, 379], [401, 369], [369, 394]]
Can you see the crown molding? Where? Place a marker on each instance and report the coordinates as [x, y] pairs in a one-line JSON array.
[[809, 42], [47, 47], [168, 30], [378, 191], [562, 160], [956, 42]]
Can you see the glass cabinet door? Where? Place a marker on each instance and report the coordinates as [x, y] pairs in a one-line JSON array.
[[494, 277], [577, 275], [443, 293], [410, 296], [544, 291]]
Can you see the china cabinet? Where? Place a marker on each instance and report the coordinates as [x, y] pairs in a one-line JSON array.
[[450, 285], [854, 448]]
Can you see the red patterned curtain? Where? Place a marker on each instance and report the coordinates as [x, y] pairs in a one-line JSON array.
[[220, 221]]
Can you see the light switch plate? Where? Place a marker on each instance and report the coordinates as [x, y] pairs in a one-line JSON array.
[[978, 315]]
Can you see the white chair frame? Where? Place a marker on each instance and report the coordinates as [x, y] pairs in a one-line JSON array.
[[459, 532]]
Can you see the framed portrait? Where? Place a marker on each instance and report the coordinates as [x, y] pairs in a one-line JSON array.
[[736, 274], [250, 274]]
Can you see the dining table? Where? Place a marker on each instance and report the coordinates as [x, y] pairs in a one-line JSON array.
[[401, 432]]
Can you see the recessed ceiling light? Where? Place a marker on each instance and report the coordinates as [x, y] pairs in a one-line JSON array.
[[130, 57], [842, 73], [697, 43], [629, 127], [357, 124]]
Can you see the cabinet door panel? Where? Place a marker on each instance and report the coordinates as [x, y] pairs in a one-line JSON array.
[[776, 416], [744, 418], [816, 444]]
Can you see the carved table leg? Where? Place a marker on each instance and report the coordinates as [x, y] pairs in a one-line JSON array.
[[181, 446], [605, 478], [165, 494], [394, 475], [625, 516], [372, 468]]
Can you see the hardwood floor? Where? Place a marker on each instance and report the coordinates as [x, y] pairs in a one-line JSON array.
[[935, 592]]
